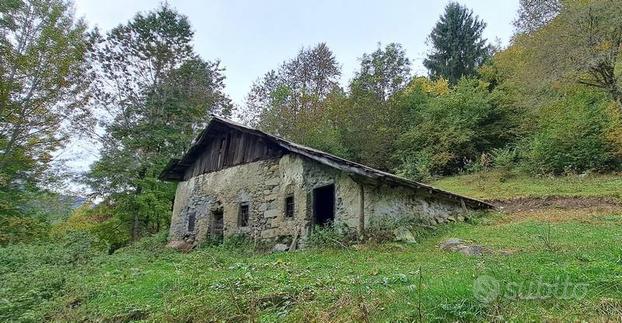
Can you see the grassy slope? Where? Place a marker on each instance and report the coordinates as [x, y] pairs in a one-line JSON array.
[[376, 282], [491, 186]]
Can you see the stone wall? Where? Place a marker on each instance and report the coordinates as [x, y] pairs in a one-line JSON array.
[[262, 184], [265, 184], [393, 202]]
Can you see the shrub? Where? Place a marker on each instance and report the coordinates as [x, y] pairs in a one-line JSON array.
[[35, 276], [382, 229], [572, 136], [111, 231], [79, 220], [379, 231], [417, 167], [504, 158], [81, 247], [18, 228], [338, 236], [151, 243], [238, 242], [452, 130], [478, 165]]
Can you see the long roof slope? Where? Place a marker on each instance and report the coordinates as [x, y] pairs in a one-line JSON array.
[[176, 166]]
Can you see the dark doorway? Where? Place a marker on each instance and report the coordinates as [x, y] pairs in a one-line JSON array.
[[217, 226], [324, 205], [192, 219]]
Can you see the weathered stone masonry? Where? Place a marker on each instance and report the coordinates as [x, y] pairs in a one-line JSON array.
[[264, 185]]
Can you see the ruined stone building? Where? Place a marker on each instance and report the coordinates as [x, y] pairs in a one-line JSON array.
[[239, 180]]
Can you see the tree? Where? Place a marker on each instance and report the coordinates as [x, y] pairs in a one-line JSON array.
[[43, 78], [135, 57], [535, 14], [370, 121], [383, 72], [458, 48], [282, 99], [452, 130], [572, 136], [158, 94], [582, 44]]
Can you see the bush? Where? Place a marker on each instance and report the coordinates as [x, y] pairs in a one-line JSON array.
[[379, 230], [152, 243], [110, 231], [36, 276], [22, 229], [453, 130], [572, 137], [238, 242], [338, 236], [418, 168], [504, 158]]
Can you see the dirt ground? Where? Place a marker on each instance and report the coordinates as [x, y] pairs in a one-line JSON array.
[[560, 209]]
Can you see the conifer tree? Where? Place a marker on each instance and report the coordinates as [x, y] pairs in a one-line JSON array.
[[458, 48]]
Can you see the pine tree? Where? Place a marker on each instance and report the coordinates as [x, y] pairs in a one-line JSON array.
[[457, 44]]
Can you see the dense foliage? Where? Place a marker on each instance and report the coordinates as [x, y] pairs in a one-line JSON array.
[[452, 130], [550, 103], [576, 140]]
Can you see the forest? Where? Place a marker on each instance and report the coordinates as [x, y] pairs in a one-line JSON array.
[[545, 109]]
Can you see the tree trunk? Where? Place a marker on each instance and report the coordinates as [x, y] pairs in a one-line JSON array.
[[136, 223], [136, 227]]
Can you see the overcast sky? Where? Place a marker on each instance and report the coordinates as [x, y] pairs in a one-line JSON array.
[[251, 37]]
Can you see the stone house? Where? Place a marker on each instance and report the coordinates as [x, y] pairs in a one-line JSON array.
[[239, 180]]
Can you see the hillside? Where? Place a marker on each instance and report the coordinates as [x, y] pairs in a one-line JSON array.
[[556, 262], [494, 185]]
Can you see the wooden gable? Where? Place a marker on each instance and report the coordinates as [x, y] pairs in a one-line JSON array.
[[226, 147]]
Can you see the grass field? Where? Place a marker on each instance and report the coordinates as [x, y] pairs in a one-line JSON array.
[[494, 185], [555, 264]]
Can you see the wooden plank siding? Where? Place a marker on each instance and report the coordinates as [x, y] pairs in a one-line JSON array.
[[229, 147]]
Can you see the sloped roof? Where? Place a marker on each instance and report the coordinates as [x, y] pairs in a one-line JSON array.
[[177, 166]]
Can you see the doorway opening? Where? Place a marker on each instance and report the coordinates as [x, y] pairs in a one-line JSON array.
[[324, 205], [217, 227]]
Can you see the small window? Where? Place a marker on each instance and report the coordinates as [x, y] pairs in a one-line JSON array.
[[192, 219], [243, 215], [289, 206]]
